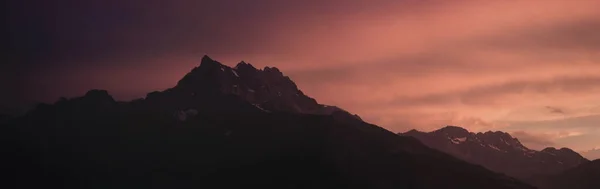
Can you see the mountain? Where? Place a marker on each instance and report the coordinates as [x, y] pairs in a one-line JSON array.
[[267, 88], [8, 112], [223, 127], [499, 151], [4, 118], [584, 176]]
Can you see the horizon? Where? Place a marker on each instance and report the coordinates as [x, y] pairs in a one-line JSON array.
[[528, 68], [591, 154]]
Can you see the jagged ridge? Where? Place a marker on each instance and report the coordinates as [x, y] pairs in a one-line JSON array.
[[94, 141], [498, 151], [267, 88]]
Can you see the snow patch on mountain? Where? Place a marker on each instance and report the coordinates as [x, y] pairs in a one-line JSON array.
[[260, 108], [495, 148], [458, 140]]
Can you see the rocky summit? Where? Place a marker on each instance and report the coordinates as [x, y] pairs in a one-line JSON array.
[[267, 89]]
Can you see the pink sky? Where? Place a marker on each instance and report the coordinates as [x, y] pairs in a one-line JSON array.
[[528, 67]]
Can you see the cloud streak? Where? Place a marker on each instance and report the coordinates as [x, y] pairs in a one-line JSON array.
[[527, 66], [555, 110]]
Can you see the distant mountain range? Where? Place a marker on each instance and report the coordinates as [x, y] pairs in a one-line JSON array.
[[223, 127], [549, 168], [499, 151]]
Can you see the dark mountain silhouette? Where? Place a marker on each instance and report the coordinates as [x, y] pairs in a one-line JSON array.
[[584, 176], [267, 89], [4, 118], [499, 151], [212, 131], [6, 111]]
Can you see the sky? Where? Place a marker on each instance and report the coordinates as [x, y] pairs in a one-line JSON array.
[[527, 67]]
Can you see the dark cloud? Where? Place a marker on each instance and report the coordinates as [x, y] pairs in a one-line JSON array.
[[555, 110]]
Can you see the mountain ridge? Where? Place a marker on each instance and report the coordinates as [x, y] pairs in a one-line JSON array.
[[201, 133], [499, 151], [267, 88]]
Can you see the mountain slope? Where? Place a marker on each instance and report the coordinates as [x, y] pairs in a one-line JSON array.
[[498, 151], [4, 117], [584, 176], [200, 135]]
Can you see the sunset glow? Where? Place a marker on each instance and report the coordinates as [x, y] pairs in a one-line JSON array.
[[530, 68]]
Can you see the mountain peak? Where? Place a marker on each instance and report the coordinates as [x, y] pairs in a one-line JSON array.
[[94, 99], [273, 70], [564, 151], [452, 127], [96, 94], [245, 67], [412, 131], [206, 58], [268, 88], [549, 149], [501, 135], [209, 63], [497, 133], [455, 131], [243, 63]]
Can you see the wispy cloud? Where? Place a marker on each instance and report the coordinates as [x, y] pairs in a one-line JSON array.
[[526, 65], [555, 110]]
